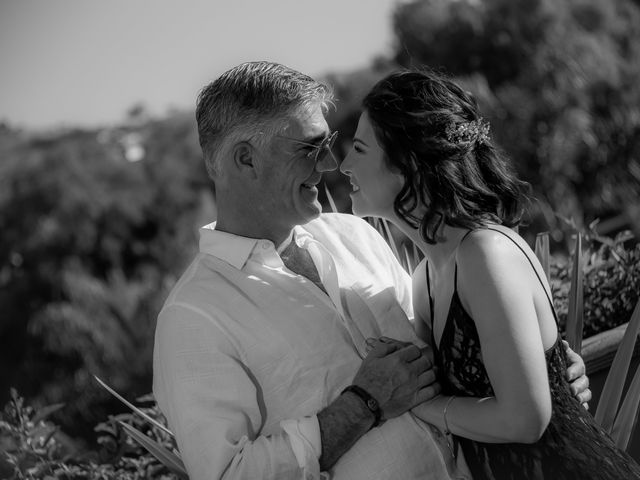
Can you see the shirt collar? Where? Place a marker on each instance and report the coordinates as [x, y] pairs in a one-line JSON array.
[[299, 235], [235, 249]]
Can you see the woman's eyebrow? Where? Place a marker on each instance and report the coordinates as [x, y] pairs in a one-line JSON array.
[[356, 139]]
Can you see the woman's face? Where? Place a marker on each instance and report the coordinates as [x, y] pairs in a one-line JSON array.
[[374, 185]]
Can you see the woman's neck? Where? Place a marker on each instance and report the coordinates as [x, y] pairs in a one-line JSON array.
[[440, 253]]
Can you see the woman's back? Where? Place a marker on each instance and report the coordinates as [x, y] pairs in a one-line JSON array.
[[572, 446]]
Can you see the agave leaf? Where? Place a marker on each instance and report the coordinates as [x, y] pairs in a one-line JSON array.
[[390, 239], [542, 252], [375, 222], [575, 315], [45, 412], [407, 258], [612, 390], [416, 254], [164, 456], [627, 418], [133, 407], [332, 204]]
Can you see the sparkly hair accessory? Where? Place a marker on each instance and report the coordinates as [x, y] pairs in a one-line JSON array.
[[476, 131]]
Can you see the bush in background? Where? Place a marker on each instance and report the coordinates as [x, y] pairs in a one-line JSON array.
[[33, 447], [611, 283]]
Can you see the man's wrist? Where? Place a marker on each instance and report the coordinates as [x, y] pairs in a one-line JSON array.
[[341, 424], [368, 401]]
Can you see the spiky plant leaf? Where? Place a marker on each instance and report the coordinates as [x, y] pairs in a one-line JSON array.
[[133, 407], [390, 239], [612, 390], [575, 316], [332, 204], [164, 456], [409, 264], [542, 252], [627, 418]]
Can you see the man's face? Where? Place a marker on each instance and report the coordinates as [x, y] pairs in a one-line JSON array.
[[289, 176]]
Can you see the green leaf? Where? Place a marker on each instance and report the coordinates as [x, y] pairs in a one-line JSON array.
[[627, 418], [612, 390], [390, 240], [45, 412], [164, 456], [416, 254], [330, 198], [133, 407], [575, 316], [407, 259], [542, 252]]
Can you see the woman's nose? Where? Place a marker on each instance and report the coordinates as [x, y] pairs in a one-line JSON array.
[[345, 166]]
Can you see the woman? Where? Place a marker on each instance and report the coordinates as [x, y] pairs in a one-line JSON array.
[[422, 158]]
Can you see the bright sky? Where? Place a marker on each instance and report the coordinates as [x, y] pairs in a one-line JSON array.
[[85, 62]]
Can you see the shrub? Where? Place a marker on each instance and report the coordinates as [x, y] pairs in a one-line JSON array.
[[34, 447], [611, 284]]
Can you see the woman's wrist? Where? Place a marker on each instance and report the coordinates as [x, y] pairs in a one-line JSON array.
[[431, 411], [447, 430]]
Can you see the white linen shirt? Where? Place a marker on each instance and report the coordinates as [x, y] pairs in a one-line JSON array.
[[247, 353]]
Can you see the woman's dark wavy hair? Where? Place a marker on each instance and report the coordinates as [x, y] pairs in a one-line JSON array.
[[463, 183]]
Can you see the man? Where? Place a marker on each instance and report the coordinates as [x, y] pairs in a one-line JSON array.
[[268, 326]]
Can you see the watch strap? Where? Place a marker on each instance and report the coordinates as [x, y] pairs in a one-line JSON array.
[[370, 402]]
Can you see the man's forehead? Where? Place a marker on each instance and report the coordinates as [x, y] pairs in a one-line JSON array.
[[307, 123]]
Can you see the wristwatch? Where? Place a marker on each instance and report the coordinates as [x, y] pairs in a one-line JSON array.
[[370, 402]]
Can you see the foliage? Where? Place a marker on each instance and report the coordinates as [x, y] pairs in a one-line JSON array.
[[34, 448], [96, 226], [611, 283], [558, 82], [620, 420]]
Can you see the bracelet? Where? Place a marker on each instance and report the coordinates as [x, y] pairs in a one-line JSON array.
[[444, 415], [370, 402]]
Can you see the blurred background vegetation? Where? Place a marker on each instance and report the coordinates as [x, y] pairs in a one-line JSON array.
[[98, 224]]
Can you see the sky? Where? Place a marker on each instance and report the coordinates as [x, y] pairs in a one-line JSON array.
[[67, 63]]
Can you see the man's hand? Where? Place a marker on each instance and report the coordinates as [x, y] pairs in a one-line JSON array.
[[398, 375], [576, 374]]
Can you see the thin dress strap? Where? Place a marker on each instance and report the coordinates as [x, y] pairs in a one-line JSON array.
[[455, 271], [553, 309]]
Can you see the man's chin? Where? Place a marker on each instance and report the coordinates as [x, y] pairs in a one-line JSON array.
[[310, 212]]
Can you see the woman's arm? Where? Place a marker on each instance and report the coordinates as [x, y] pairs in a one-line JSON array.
[[496, 289]]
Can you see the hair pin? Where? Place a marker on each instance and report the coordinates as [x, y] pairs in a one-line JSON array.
[[476, 131]]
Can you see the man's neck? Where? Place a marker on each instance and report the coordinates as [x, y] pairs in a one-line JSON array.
[[253, 230]]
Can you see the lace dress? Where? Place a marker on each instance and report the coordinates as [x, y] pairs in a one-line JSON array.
[[572, 447]]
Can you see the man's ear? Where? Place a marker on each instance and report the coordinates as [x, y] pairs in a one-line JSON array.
[[244, 158]]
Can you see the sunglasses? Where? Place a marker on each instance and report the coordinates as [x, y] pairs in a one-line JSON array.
[[320, 150]]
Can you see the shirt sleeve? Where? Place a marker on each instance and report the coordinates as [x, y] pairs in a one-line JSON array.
[[304, 435], [211, 402]]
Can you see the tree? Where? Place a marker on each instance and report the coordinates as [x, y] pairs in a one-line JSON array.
[[559, 83], [91, 244]]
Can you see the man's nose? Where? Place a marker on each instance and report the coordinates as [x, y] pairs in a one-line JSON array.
[[327, 163]]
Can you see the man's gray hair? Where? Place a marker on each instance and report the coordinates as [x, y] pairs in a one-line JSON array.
[[251, 102]]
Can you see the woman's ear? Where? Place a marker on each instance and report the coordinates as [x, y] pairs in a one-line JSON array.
[[244, 159]]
